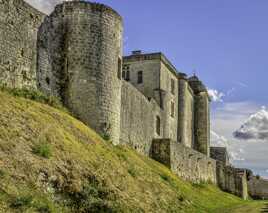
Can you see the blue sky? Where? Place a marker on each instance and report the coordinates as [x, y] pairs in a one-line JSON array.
[[225, 44]]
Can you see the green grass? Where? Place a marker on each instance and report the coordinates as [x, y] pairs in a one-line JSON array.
[[85, 173], [35, 95], [42, 150]]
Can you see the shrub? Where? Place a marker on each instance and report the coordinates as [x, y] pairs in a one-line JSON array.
[[132, 172], [21, 201], [106, 136], [44, 209], [201, 184], [2, 173], [42, 150], [92, 198], [164, 177]]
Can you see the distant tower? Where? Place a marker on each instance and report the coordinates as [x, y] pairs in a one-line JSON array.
[[201, 116], [80, 61]]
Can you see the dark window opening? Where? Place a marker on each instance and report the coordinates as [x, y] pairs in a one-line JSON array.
[[47, 80], [172, 86], [127, 75], [119, 68], [172, 109], [158, 125], [124, 74], [140, 77]]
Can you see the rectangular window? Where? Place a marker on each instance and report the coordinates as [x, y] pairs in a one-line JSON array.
[[126, 72], [173, 86], [119, 68], [127, 76], [158, 125], [172, 109], [140, 77]]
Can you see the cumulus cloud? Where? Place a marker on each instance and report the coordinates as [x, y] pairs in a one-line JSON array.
[[217, 140], [215, 95], [255, 127], [45, 6]]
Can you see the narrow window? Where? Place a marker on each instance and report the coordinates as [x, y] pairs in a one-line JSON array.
[[119, 69], [127, 76], [173, 86], [172, 109], [140, 77], [124, 74], [47, 80], [158, 125]]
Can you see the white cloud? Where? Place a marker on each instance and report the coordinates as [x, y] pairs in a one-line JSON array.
[[45, 6], [235, 153], [215, 95], [255, 127], [218, 140], [226, 118]]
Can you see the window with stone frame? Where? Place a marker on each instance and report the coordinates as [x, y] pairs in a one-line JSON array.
[[140, 77], [158, 125], [172, 82], [172, 110], [126, 72]]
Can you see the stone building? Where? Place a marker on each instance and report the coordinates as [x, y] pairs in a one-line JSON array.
[[141, 100], [174, 106]]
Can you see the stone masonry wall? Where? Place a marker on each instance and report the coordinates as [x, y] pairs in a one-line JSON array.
[[258, 188], [183, 161], [150, 70], [232, 180], [220, 154], [138, 119], [80, 61], [170, 121], [19, 23]]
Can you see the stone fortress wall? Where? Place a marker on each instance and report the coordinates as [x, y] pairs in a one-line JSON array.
[[138, 115], [185, 162], [19, 24], [258, 187], [140, 100]]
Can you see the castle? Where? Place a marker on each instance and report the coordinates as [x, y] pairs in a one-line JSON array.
[[76, 54]]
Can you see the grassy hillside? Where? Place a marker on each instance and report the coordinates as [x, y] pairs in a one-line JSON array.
[[51, 162]]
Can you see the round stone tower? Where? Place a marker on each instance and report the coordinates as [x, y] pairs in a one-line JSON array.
[[182, 108], [201, 116], [80, 61]]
